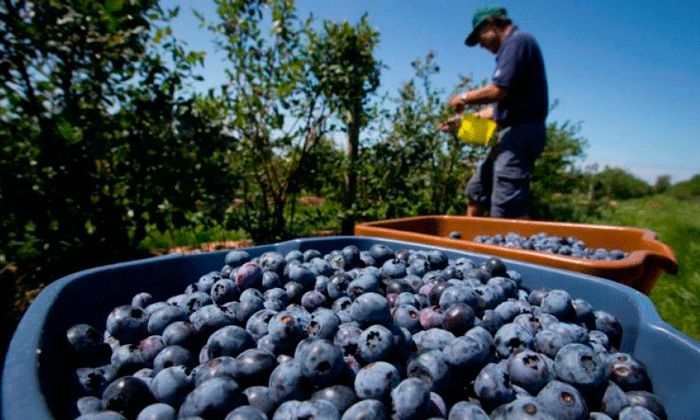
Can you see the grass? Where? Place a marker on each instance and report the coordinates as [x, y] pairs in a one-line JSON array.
[[190, 236], [677, 223]]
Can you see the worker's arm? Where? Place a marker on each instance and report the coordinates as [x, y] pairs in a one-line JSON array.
[[485, 95]]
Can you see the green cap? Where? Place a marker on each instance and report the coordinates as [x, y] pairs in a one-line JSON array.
[[479, 17]]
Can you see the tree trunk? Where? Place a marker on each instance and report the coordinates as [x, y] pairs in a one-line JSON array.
[[351, 153]]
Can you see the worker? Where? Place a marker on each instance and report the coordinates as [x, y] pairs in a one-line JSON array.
[[518, 101]]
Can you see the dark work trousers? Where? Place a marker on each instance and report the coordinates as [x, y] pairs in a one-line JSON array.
[[502, 181]]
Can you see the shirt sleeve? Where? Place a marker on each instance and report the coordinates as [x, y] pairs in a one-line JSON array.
[[511, 63]]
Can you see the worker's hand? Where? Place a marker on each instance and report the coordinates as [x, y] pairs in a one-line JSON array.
[[457, 102], [486, 113], [451, 124]]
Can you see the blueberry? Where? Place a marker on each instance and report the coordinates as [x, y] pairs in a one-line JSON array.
[[89, 404], [529, 370], [636, 412], [294, 291], [313, 300], [286, 330], [341, 396], [649, 401], [558, 303], [272, 261], [380, 253], [127, 323], [467, 410], [145, 374], [376, 381], [224, 290], [578, 365], [294, 255], [495, 267], [259, 397], [522, 408], [157, 411], [155, 306], [536, 296], [254, 366], [563, 401], [172, 356], [363, 284], [229, 341], [276, 299], [303, 276], [375, 343], [142, 300], [180, 333], [93, 381], [248, 276], [614, 400], [236, 258], [127, 395], [288, 410], [512, 339], [164, 317], [431, 317], [431, 368], [491, 386], [171, 385], [338, 285], [351, 255], [102, 415], [408, 317], [347, 338], [452, 295], [317, 409], [610, 325], [321, 362], [629, 373], [270, 280], [287, 382], [246, 412], [323, 324], [87, 345], [394, 269], [508, 310], [127, 359], [410, 399], [195, 301], [210, 318], [549, 342], [214, 398], [465, 356], [370, 308], [257, 324], [584, 313]]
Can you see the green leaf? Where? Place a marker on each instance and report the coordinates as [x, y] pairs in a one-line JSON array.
[[114, 6]]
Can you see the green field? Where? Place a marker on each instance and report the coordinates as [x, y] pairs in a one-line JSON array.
[[677, 224]]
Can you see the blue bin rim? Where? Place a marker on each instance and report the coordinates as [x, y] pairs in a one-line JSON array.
[[24, 347]]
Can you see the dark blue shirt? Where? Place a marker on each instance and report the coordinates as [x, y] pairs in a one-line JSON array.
[[520, 69]]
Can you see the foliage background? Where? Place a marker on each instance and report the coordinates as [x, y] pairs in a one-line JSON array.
[[106, 152]]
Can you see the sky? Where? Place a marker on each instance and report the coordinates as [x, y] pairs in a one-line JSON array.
[[627, 71]]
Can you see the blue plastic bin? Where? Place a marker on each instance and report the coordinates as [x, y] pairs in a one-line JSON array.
[[32, 379]]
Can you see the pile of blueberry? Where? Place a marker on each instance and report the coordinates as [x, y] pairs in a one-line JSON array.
[[372, 334], [543, 242]]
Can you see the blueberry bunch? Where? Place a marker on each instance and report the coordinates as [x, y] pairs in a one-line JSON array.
[[569, 246], [371, 334]]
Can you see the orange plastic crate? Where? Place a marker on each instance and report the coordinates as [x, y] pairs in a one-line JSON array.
[[647, 259]]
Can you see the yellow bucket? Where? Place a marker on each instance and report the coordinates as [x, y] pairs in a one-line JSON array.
[[476, 131]]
